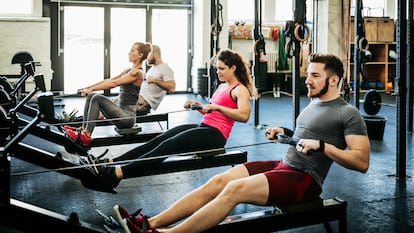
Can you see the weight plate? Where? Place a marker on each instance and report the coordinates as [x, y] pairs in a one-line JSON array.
[[372, 102]]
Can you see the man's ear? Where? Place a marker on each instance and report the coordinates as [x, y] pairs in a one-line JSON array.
[[334, 80]]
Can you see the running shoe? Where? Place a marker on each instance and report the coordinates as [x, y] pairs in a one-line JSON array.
[[137, 218], [66, 127], [146, 227], [107, 175], [98, 159], [79, 136], [130, 227], [104, 178]]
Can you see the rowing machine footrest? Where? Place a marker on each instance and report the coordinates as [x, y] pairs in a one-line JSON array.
[[46, 108], [129, 131]]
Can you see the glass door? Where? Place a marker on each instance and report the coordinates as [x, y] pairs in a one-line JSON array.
[[170, 32], [96, 41], [85, 51], [128, 25], [83, 47]]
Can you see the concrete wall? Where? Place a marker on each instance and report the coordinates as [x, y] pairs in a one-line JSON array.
[[31, 34], [25, 34], [329, 26]]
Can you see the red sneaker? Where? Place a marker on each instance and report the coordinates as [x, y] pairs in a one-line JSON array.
[[132, 228], [129, 226], [136, 218], [153, 231], [79, 137], [146, 227], [66, 127]]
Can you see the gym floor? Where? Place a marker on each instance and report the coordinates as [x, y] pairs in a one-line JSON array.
[[378, 201]]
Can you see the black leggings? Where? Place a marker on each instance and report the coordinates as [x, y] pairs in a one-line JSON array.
[[183, 138]]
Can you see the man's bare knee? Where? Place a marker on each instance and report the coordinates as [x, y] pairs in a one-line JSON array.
[[218, 181], [233, 191]]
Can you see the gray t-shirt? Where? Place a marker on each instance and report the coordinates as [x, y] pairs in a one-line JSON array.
[[152, 93], [128, 96], [329, 121]]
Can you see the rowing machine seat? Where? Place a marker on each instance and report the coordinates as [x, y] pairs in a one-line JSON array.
[[287, 217], [129, 131]]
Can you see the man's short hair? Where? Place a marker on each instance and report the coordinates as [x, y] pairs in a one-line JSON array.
[[156, 49], [332, 63]]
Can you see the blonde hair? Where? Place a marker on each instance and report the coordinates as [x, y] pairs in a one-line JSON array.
[[144, 48]]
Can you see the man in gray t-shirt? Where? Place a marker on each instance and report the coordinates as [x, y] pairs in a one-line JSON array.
[[330, 121], [159, 80]]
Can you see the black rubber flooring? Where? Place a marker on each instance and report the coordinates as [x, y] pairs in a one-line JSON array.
[[378, 201]]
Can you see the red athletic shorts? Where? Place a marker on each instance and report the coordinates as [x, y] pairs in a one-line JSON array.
[[286, 184]]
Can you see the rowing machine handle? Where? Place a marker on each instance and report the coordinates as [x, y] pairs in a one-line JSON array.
[[281, 138], [197, 107]]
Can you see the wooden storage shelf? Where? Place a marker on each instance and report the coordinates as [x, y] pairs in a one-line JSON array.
[[381, 67]]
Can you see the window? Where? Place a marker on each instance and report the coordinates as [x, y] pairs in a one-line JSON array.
[[243, 10], [87, 45], [122, 39], [83, 47], [374, 8], [16, 7], [240, 11], [284, 10], [173, 48]]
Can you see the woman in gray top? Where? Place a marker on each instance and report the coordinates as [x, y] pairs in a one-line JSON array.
[[129, 81]]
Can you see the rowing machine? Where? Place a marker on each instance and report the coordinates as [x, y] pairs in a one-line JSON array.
[[134, 134], [287, 217], [77, 121], [81, 168], [54, 132]]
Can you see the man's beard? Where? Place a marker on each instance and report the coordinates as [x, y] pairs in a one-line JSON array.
[[151, 61], [323, 91]]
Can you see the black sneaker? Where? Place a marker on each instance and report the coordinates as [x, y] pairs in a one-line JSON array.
[[102, 178], [98, 159], [107, 175]]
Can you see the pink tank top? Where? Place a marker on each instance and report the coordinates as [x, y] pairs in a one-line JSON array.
[[218, 120]]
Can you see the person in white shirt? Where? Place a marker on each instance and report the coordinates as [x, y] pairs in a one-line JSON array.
[[158, 82]]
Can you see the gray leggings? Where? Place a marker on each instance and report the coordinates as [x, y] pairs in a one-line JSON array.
[[96, 103]]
